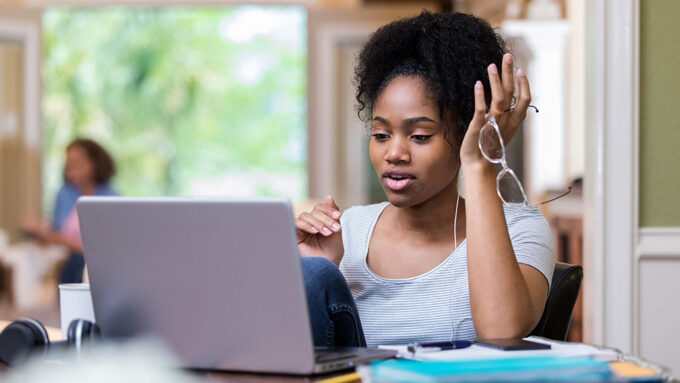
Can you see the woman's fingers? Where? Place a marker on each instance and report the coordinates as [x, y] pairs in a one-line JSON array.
[[329, 201], [479, 118], [321, 220], [317, 224], [469, 150], [329, 207], [330, 224], [524, 98], [305, 226], [507, 78], [497, 95]]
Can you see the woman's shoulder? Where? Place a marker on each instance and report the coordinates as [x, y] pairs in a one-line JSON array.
[[66, 197], [519, 212], [357, 223], [532, 238], [362, 213], [529, 222], [67, 190], [526, 219], [105, 190]]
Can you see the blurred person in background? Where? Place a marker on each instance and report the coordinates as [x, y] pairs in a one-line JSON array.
[[88, 171]]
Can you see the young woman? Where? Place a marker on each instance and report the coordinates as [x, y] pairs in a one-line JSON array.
[[88, 170], [393, 273]]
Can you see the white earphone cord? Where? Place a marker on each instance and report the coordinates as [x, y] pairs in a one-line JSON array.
[[455, 220], [455, 247]]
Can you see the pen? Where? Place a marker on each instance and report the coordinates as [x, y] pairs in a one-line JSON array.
[[438, 346]]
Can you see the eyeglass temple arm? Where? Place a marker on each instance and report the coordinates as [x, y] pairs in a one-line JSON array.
[[530, 106], [558, 197]]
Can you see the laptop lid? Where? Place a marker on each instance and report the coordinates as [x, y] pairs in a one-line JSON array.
[[218, 280]]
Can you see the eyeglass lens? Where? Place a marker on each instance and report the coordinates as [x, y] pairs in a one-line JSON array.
[[509, 188], [490, 143]]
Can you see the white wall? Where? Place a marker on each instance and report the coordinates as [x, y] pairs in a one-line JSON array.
[[659, 286]]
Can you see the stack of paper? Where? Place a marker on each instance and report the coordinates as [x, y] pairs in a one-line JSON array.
[[476, 352], [563, 362]]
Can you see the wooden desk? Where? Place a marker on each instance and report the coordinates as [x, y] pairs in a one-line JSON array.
[[252, 378]]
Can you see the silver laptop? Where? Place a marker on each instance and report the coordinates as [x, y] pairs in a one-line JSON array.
[[219, 281]]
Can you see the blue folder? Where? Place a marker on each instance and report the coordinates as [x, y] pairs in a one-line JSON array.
[[525, 369]]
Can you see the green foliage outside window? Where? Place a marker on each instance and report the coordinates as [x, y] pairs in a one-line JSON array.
[[189, 101]]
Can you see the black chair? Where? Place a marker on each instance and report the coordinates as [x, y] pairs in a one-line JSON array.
[[566, 284]]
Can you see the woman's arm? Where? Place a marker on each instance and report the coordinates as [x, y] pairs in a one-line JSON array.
[[56, 238], [43, 232], [506, 298]]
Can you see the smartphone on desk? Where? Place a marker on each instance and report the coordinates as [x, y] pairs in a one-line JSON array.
[[513, 344]]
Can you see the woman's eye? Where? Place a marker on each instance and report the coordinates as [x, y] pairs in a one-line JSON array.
[[420, 137], [380, 136]]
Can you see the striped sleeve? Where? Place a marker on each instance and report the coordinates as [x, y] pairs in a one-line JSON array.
[[532, 239]]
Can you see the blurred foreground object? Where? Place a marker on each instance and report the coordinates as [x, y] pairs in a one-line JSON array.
[[142, 360]]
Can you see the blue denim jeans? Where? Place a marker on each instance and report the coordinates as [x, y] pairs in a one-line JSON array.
[[332, 310]]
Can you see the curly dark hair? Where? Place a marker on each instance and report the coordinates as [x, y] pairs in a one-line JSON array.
[[104, 167], [448, 51]]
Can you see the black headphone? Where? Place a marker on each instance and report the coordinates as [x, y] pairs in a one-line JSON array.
[[27, 337]]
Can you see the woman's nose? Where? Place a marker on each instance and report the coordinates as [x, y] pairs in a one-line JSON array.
[[397, 151]]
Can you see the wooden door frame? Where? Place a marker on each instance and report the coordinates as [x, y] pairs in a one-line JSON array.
[[23, 27], [611, 182]]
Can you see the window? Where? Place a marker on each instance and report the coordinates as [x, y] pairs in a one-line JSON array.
[[189, 101]]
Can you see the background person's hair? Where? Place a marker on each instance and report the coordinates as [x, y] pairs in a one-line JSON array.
[[448, 51], [104, 167]]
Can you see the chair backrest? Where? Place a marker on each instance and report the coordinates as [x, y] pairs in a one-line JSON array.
[[564, 289]]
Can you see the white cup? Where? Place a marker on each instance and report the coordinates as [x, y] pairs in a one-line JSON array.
[[75, 302]]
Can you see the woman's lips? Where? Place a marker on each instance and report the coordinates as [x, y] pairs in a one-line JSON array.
[[397, 180], [397, 184]]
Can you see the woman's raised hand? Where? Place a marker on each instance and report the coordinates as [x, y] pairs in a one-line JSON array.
[[319, 232], [507, 117]]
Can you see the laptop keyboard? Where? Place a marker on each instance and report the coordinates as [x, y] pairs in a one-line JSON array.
[[330, 356]]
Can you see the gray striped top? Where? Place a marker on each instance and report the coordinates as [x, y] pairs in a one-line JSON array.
[[434, 306]]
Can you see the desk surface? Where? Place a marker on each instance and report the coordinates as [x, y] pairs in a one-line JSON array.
[[232, 377], [55, 334], [252, 378]]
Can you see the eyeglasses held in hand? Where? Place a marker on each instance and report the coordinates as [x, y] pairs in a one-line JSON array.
[[491, 145], [508, 187]]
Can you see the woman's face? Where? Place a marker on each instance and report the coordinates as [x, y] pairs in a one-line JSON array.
[[408, 149], [79, 168]]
